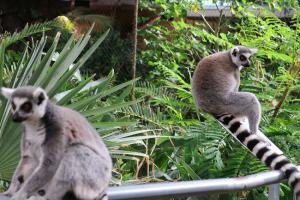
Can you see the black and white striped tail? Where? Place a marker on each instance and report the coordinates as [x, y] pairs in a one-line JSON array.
[[263, 151]]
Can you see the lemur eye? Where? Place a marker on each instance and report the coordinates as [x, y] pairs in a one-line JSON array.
[[13, 105], [26, 107], [243, 58]]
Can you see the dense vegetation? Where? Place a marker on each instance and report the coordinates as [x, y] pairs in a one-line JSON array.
[[160, 135]]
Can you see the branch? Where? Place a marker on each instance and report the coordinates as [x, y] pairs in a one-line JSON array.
[[134, 37], [220, 19], [207, 24], [287, 89], [278, 106], [149, 22]]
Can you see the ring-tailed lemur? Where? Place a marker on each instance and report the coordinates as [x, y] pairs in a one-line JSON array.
[[215, 86], [60, 151]]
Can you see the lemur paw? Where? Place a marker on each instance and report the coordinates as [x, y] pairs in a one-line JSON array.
[[19, 196], [36, 198], [7, 193], [10, 192]]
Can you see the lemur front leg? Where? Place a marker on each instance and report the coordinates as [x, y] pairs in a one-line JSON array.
[[53, 149], [18, 177], [25, 168]]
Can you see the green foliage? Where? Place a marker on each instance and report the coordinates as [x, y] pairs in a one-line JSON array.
[[168, 8], [184, 45], [8, 39], [8, 57], [115, 52], [161, 135]]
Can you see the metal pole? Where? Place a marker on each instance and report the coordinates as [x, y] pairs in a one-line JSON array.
[[167, 190], [274, 191]]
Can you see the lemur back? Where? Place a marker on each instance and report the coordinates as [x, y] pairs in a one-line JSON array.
[[79, 131], [215, 78], [215, 88]]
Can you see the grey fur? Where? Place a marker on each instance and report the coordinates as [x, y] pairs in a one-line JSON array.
[[26, 91], [61, 152], [216, 82]]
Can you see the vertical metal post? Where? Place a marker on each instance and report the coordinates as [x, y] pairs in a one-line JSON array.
[[274, 191]]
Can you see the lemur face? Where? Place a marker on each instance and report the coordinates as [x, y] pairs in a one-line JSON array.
[[28, 103], [240, 56]]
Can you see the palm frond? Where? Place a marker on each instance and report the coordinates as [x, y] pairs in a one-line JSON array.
[[28, 30]]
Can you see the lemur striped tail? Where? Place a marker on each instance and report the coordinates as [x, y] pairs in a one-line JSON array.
[[263, 151]]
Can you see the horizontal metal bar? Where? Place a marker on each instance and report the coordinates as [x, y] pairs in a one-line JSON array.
[[168, 190]]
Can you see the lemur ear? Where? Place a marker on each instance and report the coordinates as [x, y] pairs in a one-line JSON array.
[[40, 96], [253, 51], [7, 92], [234, 51]]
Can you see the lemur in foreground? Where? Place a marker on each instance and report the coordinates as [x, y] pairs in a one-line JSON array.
[[60, 151], [215, 88]]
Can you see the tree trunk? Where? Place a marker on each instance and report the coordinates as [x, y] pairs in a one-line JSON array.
[[134, 51]]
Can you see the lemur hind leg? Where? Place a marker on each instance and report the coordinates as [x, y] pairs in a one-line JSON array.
[[92, 178], [57, 189], [81, 173], [243, 104]]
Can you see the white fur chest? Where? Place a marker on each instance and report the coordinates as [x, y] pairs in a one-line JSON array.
[[34, 138], [35, 134]]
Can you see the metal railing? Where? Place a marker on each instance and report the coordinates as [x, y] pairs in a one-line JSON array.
[[167, 190]]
